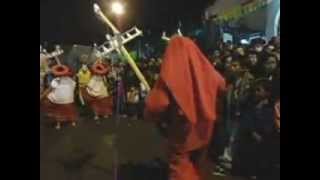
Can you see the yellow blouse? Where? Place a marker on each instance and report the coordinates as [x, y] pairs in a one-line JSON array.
[[83, 78]]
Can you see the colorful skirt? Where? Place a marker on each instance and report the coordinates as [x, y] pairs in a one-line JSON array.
[[100, 106], [59, 112]]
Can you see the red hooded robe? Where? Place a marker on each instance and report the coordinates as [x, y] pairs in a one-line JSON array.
[[185, 97]]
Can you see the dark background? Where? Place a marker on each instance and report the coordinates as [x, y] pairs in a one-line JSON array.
[[74, 22]]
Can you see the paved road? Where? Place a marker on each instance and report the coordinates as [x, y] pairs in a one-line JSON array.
[[88, 151]]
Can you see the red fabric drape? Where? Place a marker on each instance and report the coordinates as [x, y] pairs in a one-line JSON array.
[[191, 79]]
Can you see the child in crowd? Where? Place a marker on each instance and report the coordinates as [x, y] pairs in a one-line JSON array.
[[120, 97], [270, 66], [143, 94], [133, 102], [256, 129]]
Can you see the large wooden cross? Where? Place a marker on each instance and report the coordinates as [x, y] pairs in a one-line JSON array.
[[117, 41]]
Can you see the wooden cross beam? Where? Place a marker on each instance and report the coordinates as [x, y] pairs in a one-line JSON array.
[[54, 54], [116, 43]]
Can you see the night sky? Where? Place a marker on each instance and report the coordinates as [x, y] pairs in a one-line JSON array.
[[74, 22]]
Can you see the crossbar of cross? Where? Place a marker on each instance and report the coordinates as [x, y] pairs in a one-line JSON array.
[[118, 40]]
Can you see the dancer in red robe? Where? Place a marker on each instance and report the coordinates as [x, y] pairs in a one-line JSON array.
[[184, 102]]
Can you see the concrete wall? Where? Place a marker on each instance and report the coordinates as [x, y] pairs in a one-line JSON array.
[[256, 21], [264, 20], [222, 5], [273, 17]]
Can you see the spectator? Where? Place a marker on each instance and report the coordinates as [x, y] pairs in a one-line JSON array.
[[143, 94], [269, 67], [120, 97], [231, 117], [133, 102], [254, 146], [251, 62]]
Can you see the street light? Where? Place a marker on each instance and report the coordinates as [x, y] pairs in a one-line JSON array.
[[117, 8]]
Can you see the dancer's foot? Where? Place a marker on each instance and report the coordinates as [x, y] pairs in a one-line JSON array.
[[96, 118], [58, 126], [73, 124], [123, 116]]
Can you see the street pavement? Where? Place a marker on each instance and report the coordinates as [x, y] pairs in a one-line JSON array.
[[119, 149]]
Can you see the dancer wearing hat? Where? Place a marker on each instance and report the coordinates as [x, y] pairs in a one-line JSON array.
[[183, 101], [96, 92], [58, 100]]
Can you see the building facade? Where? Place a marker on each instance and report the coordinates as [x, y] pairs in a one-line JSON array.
[[265, 21]]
